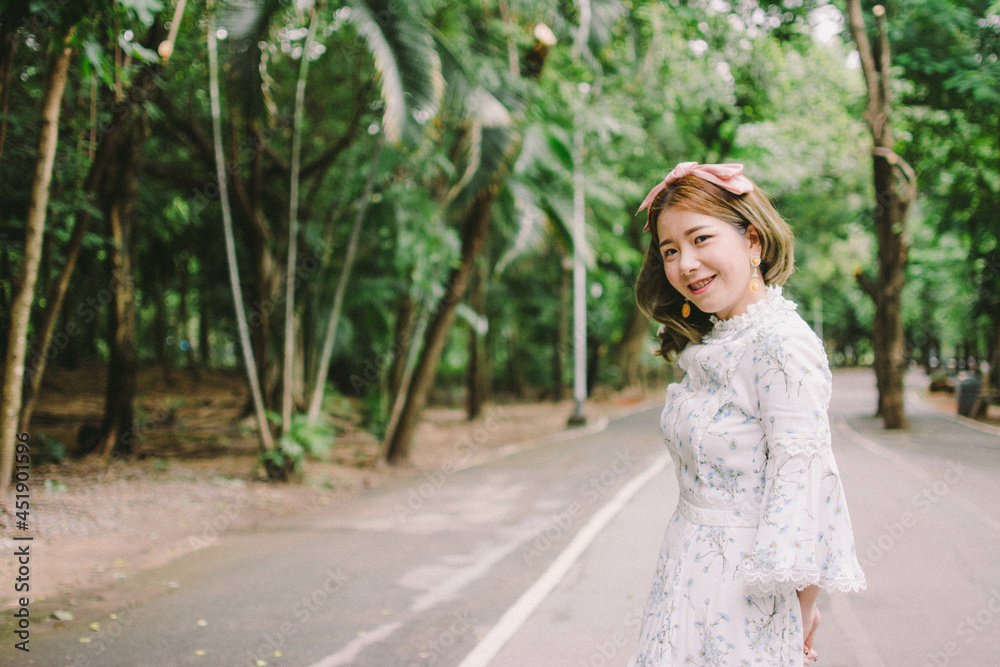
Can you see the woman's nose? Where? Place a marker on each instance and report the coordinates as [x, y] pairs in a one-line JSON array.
[[688, 262]]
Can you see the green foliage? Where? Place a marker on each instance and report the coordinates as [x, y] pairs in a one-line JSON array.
[[654, 84], [406, 61], [50, 451], [300, 443], [144, 10], [54, 486]]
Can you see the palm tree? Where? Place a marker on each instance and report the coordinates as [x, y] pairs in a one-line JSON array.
[[411, 87], [491, 144]]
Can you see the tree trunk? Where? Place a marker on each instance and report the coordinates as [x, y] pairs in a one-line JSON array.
[[185, 318], [263, 428], [316, 402], [115, 182], [54, 303], [413, 349], [515, 378], [118, 195], [159, 332], [475, 378], [204, 346], [489, 344], [8, 45], [990, 384], [895, 188], [475, 229], [595, 352], [629, 348], [24, 293], [994, 375], [288, 369], [266, 277], [562, 343], [299, 368], [45, 268], [473, 395], [405, 314]]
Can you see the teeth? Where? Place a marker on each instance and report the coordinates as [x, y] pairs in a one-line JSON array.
[[698, 285]]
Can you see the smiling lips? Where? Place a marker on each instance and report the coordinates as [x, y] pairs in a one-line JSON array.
[[700, 285]]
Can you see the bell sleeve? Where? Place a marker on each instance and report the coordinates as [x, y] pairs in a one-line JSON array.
[[804, 534]]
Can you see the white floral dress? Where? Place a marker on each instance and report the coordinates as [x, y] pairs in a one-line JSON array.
[[761, 511]]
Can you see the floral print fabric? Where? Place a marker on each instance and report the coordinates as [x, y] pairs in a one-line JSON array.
[[761, 511]]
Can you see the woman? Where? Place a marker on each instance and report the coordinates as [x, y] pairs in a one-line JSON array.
[[761, 523]]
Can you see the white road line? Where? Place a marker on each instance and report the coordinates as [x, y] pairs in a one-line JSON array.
[[916, 471], [509, 623], [347, 654]]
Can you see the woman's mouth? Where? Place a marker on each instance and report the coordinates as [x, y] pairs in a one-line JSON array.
[[699, 287]]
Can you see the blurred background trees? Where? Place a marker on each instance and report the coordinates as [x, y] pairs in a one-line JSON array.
[[433, 190]]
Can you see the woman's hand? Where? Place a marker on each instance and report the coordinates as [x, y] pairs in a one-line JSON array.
[[810, 621]]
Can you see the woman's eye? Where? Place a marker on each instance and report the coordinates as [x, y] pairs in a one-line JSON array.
[[668, 252], [703, 237]]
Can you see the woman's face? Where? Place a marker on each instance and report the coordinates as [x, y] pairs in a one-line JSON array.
[[707, 260]]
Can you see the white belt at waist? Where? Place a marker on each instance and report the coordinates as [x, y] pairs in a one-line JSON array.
[[714, 516]]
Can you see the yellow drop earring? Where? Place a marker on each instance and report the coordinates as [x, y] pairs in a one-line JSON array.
[[685, 308], [755, 278]]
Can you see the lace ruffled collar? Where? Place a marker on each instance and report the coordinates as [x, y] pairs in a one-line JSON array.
[[773, 302]]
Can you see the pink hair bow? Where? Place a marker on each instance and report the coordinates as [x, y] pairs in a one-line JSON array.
[[727, 176]]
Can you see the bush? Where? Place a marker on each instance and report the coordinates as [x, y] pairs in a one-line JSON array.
[[48, 450], [302, 440]]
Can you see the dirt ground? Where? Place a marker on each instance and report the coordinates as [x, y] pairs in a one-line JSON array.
[[195, 476]]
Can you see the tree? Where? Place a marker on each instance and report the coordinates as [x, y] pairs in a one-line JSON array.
[[947, 51], [293, 225], [410, 71], [473, 198], [34, 228], [895, 188], [263, 428]]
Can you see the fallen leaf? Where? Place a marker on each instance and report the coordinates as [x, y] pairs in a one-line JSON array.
[[199, 652], [84, 640], [120, 562], [96, 627], [113, 617], [278, 654], [202, 622], [63, 615]]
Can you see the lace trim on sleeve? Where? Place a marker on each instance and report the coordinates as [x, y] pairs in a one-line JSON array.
[[767, 582], [796, 444]]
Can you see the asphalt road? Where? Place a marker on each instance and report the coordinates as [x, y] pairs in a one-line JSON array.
[[545, 557]]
